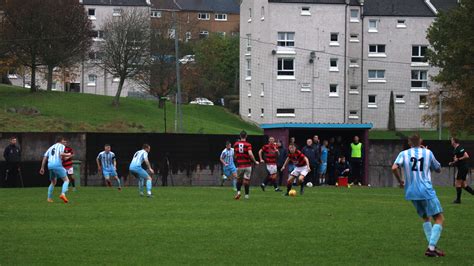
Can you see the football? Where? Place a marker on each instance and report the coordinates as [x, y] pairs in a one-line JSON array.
[[309, 184], [292, 193]]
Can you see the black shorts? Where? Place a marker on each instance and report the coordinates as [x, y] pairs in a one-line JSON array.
[[462, 173]]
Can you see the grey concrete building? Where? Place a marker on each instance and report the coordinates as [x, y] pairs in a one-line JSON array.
[[336, 61]]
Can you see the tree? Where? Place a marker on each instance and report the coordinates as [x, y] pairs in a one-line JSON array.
[[391, 113], [126, 50], [452, 50]]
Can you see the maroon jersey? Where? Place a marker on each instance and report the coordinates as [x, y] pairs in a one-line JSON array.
[[270, 153], [67, 164], [297, 158], [241, 151]]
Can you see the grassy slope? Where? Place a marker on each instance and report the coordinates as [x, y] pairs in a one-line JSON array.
[[72, 112], [357, 226], [427, 135]]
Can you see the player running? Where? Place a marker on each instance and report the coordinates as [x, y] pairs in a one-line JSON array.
[[244, 156], [140, 173], [107, 164], [271, 153], [460, 157], [302, 168], [416, 164], [227, 160], [67, 164], [54, 155]]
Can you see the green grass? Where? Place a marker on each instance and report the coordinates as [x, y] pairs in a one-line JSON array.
[[357, 226], [425, 134], [74, 112]]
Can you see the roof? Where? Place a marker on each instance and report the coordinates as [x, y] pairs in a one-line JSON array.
[[352, 2], [115, 2], [408, 8], [222, 6], [317, 125]]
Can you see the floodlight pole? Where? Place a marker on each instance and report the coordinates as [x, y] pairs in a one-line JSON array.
[[179, 114], [440, 115]]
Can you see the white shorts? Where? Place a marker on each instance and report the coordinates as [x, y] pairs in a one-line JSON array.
[[300, 171], [272, 169], [244, 172], [70, 171]]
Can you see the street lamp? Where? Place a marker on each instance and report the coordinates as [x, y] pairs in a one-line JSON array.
[[440, 115], [164, 116]]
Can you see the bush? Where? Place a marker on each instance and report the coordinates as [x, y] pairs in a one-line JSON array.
[[233, 106], [229, 98]]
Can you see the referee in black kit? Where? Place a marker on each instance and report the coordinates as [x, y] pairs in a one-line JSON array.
[[12, 155], [460, 161]]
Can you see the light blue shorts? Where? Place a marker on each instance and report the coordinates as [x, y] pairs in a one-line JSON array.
[[139, 172], [108, 173], [427, 208], [230, 170], [322, 168], [57, 172]]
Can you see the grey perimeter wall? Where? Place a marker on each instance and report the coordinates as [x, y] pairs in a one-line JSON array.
[[194, 158]]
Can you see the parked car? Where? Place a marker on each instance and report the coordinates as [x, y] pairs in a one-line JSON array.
[[187, 59], [201, 101]]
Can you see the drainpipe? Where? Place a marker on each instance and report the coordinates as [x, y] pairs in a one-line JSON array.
[[362, 62], [345, 61]]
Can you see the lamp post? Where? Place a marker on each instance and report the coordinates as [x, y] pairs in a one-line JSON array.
[[164, 116], [440, 115]]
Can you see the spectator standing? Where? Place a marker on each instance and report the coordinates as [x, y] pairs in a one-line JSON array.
[[165, 169], [324, 163], [12, 155], [317, 150], [310, 153], [331, 174], [356, 161], [282, 154]]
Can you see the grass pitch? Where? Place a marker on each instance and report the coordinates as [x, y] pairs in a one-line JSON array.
[[363, 226]]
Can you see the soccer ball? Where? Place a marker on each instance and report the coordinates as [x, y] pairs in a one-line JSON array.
[[309, 184], [292, 193]]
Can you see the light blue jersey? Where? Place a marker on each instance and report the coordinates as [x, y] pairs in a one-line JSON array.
[[324, 154], [416, 164], [54, 156], [227, 156], [138, 159], [107, 160]]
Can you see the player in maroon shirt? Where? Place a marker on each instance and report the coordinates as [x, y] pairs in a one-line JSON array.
[[270, 152], [244, 158], [302, 168], [67, 164]]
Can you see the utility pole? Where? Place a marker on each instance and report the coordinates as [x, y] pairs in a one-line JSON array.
[[440, 115], [179, 114]]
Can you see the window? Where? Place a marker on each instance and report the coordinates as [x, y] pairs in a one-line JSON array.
[[262, 112], [372, 103], [171, 33], [354, 15], [250, 112], [98, 35], [286, 67], [306, 87], [373, 25], [305, 11], [221, 33], [353, 114], [401, 24], [333, 64], [250, 15], [220, 17], [262, 11], [12, 73], [91, 13], [187, 36], [377, 50], [117, 12], [204, 16], [423, 101], [354, 37], [285, 112], [333, 90], [418, 53], [353, 89], [116, 79], [92, 80], [203, 34], [376, 75], [399, 98], [286, 39], [249, 43], [353, 62], [155, 14], [94, 56], [334, 39], [54, 86], [419, 80], [248, 73]]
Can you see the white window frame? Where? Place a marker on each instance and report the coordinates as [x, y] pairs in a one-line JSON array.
[[187, 36], [401, 99], [331, 93], [204, 16], [354, 19], [171, 33], [376, 28], [401, 24], [262, 13], [417, 62], [285, 76], [354, 89], [424, 82], [91, 17], [92, 80], [249, 44], [220, 17], [285, 114], [331, 67], [248, 69], [354, 37], [117, 12], [12, 74], [250, 15], [286, 39], [422, 105], [100, 36], [155, 14], [377, 53], [372, 104], [54, 86], [353, 115], [305, 87], [331, 42], [378, 77], [353, 62], [250, 112], [306, 11], [115, 79], [204, 34]]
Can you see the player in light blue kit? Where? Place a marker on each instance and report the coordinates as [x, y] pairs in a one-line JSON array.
[[107, 164], [227, 160], [416, 164], [55, 156], [137, 170]]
